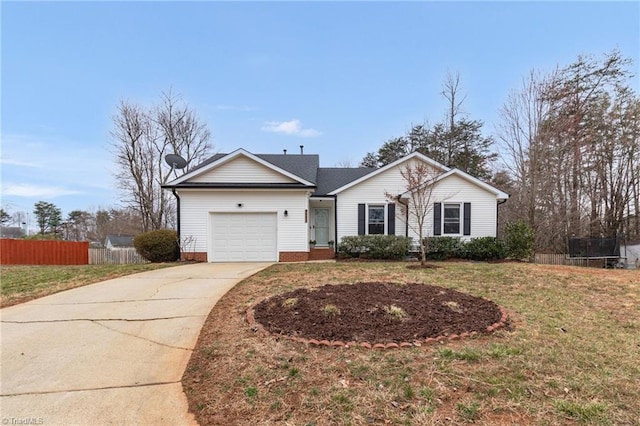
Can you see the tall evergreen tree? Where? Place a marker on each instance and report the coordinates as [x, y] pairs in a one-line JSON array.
[[48, 217], [456, 141]]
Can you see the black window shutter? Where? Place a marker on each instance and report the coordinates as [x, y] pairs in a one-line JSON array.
[[361, 219], [437, 218], [391, 213], [467, 219]]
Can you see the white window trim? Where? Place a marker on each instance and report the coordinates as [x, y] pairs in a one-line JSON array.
[[460, 220], [386, 221]]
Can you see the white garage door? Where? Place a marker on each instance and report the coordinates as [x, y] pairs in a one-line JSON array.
[[243, 237]]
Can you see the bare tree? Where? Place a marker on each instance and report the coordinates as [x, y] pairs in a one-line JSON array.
[[181, 131], [141, 139], [451, 92], [574, 101], [456, 141], [521, 131], [417, 201], [614, 162], [345, 163], [571, 144], [113, 221]]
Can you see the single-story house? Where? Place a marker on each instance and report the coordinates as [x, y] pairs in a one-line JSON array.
[[11, 232], [115, 242], [270, 207]]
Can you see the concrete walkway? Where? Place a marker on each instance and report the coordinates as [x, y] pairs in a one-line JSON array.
[[112, 352]]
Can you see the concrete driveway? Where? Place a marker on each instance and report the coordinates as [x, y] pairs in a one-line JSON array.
[[112, 352]]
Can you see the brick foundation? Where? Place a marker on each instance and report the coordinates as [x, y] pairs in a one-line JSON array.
[[190, 256], [293, 256], [285, 256], [322, 253]]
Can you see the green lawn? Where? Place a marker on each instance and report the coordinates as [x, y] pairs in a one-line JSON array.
[[19, 283]]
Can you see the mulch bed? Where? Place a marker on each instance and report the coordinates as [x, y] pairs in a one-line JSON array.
[[368, 312]]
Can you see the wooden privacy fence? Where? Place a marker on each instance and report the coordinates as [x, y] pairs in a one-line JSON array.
[[123, 256], [43, 252]]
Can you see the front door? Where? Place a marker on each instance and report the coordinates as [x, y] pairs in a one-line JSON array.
[[321, 220]]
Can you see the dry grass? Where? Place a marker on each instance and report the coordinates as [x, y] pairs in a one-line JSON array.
[[570, 358], [330, 310], [395, 312], [21, 283]]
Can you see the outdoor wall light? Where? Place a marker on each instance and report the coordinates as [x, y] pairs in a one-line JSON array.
[[286, 213]]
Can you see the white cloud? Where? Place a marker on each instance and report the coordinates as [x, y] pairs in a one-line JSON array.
[[12, 162], [291, 127], [34, 191]]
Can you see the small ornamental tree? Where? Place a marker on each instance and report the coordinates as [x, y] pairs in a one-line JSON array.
[[416, 201]]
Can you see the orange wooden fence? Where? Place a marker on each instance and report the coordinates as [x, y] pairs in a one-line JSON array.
[[43, 252]]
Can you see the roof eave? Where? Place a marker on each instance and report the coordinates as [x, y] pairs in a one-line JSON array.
[[248, 185]]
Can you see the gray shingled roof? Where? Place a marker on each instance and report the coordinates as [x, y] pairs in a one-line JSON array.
[[303, 165], [11, 232], [306, 166], [331, 178], [121, 240]]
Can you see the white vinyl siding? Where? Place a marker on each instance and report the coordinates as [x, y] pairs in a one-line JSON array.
[[370, 192], [456, 190], [242, 169], [453, 189], [197, 205]]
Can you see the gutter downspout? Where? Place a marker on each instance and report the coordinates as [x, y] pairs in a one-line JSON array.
[[173, 190], [498, 214], [335, 226], [406, 214]]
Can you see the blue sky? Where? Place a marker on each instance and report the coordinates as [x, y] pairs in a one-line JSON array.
[[339, 78]]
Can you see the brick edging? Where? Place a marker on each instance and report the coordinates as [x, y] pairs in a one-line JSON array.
[[259, 328]]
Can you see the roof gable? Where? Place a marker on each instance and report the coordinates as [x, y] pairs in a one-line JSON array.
[[389, 166], [219, 160], [466, 176], [120, 240], [500, 195], [241, 169]]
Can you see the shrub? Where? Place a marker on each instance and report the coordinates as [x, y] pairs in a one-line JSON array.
[[351, 246], [519, 240], [483, 248], [158, 246], [374, 246], [441, 248]]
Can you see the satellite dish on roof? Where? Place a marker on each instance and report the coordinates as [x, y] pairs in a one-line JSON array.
[[175, 161]]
